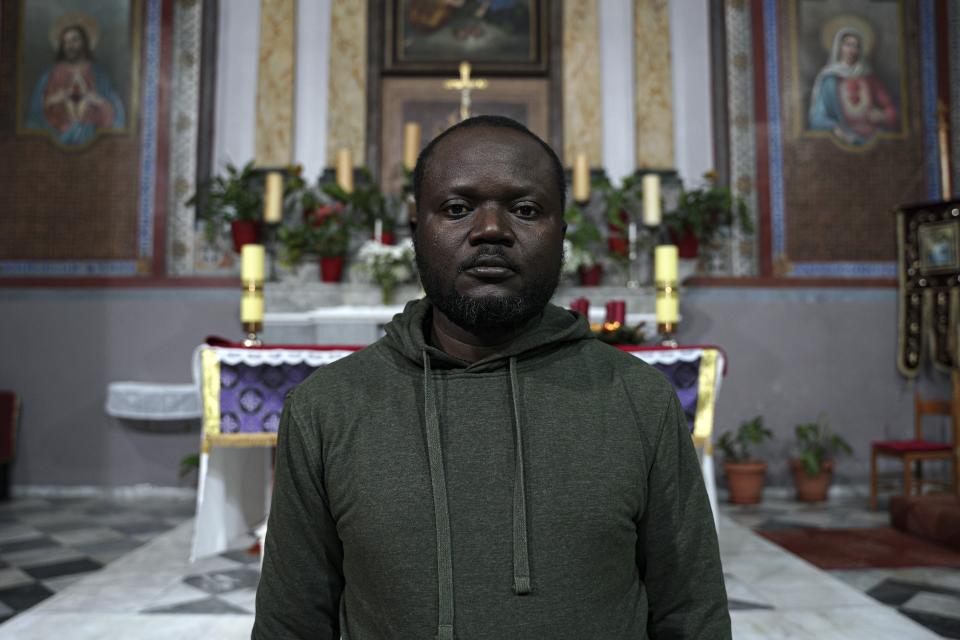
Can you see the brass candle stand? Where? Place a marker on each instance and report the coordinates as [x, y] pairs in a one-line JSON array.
[[251, 312]]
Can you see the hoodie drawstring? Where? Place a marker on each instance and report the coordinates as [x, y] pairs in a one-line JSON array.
[[441, 511], [521, 551], [438, 480]]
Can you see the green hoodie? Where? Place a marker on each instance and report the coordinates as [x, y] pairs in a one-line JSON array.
[[548, 491]]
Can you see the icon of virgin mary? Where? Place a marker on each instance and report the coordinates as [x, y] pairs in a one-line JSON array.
[[74, 98], [848, 99]]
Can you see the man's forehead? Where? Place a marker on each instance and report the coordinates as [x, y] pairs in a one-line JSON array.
[[473, 145]]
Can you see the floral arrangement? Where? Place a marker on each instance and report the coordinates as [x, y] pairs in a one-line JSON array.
[[387, 265]]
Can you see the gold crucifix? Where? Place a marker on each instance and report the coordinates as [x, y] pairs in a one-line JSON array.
[[465, 85]]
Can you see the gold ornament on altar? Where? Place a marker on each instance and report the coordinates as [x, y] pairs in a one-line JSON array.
[[465, 85]]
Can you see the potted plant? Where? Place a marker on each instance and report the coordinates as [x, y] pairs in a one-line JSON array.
[[235, 198], [745, 474], [817, 446], [701, 213], [580, 247], [325, 233], [367, 205]]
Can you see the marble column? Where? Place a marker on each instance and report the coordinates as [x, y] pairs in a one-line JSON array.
[[654, 84], [347, 104], [275, 82], [582, 129]]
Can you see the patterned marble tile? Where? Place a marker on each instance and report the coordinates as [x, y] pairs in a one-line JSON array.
[[60, 569], [13, 577], [209, 605], [934, 603], [847, 623]]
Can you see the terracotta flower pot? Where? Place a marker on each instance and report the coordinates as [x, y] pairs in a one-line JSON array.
[[331, 268], [745, 481], [590, 276], [811, 488], [244, 232]]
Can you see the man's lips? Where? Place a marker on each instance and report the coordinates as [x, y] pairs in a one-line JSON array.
[[489, 267]]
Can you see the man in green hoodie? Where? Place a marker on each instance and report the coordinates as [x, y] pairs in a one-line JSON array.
[[488, 470]]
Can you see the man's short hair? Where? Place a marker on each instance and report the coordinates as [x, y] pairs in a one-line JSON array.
[[496, 122]]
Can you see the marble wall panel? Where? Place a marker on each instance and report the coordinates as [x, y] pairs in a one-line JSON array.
[[276, 78], [653, 85], [582, 98], [347, 106]]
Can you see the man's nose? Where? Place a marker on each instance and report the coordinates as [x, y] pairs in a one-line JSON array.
[[491, 224]]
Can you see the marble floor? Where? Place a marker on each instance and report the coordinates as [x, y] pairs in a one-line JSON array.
[[154, 592]]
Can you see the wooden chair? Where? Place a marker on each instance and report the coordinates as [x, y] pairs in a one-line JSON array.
[[918, 450]]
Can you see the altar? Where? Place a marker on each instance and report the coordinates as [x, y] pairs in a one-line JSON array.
[[243, 390], [339, 314]]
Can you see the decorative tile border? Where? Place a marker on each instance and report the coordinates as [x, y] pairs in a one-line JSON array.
[[742, 248], [184, 127]]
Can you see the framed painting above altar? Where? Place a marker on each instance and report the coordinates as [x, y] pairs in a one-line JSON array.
[[433, 36]]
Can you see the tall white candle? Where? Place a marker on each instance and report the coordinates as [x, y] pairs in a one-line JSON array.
[[651, 200], [345, 170], [581, 178], [411, 144], [273, 198], [252, 262], [665, 276]]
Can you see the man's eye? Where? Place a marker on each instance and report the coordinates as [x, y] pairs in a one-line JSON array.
[[526, 211], [456, 209]]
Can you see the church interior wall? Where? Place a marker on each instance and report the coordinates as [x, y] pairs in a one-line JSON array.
[[793, 352]]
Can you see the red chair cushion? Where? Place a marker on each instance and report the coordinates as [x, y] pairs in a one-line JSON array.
[[904, 446]]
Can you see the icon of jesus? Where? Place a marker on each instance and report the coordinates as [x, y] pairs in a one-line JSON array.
[[74, 98]]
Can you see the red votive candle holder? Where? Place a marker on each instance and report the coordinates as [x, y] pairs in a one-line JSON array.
[[617, 311], [581, 306]]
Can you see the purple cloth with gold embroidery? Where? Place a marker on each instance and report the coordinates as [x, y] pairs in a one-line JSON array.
[[251, 397]]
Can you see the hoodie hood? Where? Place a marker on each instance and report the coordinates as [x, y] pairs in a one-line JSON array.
[[406, 335]]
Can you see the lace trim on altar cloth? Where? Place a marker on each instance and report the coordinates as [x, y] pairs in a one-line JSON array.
[[276, 357]]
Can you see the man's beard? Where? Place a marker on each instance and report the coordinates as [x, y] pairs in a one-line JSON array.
[[484, 313]]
